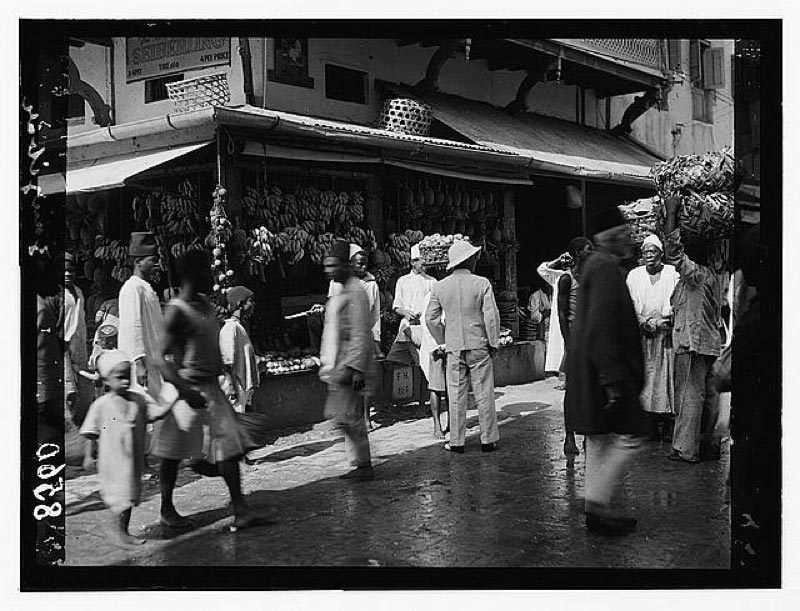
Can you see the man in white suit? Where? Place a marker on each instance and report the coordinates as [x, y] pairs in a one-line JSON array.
[[471, 338]]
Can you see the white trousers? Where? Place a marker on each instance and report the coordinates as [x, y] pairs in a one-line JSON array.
[[471, 369], [606, 458]]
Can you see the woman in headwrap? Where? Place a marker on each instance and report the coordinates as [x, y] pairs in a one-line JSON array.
[[238, 354]]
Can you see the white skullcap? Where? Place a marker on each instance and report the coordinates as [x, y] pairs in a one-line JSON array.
[[355, 249], [653, 239], [415, 252]]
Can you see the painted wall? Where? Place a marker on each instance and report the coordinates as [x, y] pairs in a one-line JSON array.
[[129, 102], [655, 127], [94, 67]]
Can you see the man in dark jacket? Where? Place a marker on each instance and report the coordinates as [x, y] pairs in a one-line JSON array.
[[605, 371]]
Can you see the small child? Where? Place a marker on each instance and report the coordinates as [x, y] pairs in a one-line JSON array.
[[119, 418]]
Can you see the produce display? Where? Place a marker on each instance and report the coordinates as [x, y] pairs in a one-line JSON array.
[[447, 207], [705, 184], [434, 248], [273, 363], [506, 338], [305, 222]]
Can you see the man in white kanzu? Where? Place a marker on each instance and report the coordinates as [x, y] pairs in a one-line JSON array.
[[471, 338], [651, 286], [141, 320], [409, 302]]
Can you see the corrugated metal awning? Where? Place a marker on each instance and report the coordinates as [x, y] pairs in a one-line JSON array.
[[112, 172], [555, 145]]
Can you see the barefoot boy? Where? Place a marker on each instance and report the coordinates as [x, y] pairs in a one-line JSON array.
[[119, 418]]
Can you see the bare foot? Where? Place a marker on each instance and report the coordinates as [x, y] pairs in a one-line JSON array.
[[125, 540], [438, 434], [570, 447], [250, 520]]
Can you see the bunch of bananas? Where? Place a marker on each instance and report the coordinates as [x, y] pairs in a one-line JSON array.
[[121, 273], [384, 275], [109, 250], [179, 215], [319, 247], [414, 236], [291, 242], [260, 246], [398, 248], [356, 235]]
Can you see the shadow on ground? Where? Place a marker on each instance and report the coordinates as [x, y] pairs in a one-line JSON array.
[[519, 506]]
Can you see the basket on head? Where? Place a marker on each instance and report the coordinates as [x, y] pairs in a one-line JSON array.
[[406, 116], [199, 92]]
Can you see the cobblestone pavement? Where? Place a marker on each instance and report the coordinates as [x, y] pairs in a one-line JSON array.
[[519, 506]]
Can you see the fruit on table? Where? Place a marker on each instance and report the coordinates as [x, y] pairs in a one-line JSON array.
[[279, 364]]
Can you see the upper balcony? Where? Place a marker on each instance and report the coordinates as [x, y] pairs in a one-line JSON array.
[[644, 53], [609, 66]]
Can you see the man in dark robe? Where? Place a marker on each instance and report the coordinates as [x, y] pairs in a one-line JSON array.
[[605, 371]]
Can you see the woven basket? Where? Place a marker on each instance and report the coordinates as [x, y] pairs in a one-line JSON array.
[[702, 217], [406, 116], [200, 92], [433, 256], [642, 217]]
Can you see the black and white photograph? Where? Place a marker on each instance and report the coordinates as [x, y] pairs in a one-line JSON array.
[[423, 304]]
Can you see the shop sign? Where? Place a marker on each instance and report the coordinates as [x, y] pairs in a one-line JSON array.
[[402, 383], [148, 57]]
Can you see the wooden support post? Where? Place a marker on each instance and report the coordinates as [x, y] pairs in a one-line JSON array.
[[510, 257], [374, 206], [509, 236], [584, 210]]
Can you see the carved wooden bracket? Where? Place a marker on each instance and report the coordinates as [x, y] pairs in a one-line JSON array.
[[638, 107], [101, 110], [431, 81], [534, 75]]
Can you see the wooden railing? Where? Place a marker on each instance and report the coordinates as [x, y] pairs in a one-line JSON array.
[[645, 51]]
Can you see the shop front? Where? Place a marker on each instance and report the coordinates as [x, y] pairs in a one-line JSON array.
[[292, 184]]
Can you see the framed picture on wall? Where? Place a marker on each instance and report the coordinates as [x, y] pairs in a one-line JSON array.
[[291, 63]]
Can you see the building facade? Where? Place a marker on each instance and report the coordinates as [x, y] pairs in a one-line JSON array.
[[691, 110]]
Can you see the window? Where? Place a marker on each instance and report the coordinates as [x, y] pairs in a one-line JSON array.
[[345, 84], [76, 107], [155, 90], [705, 75], [675, 55]]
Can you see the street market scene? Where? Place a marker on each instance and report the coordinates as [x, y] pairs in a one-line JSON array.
[[419, 302]]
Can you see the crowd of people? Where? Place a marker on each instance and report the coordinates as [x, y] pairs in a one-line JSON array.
[[637, 351]]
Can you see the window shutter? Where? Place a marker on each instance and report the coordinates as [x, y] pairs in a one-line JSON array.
[[674, 54], [713, 68]]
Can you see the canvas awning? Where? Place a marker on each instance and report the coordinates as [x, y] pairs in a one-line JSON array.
[[113, 172]]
